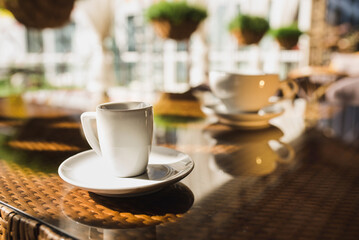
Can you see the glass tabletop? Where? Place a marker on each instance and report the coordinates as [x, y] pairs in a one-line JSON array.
[[290, 180]]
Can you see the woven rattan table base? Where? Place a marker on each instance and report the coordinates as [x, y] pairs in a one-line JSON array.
[[16, 226]]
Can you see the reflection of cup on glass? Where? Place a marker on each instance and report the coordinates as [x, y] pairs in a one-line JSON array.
[[253, 159], [240, 92], [258, 151], [124, 136]]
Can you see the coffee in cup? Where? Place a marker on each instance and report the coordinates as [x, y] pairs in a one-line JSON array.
[[124, 136]]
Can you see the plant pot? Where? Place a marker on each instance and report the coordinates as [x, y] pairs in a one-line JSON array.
[[41, 14], [167, 30], [247, 37], [179, 104], [288, 42]]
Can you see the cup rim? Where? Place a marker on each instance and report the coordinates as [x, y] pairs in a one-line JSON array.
[[146, 106]]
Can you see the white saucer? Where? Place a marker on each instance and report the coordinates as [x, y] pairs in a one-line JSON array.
[[246, 120], [85, 170]]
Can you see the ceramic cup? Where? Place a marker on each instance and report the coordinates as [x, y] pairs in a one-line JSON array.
[[248, 93], [124, 136]]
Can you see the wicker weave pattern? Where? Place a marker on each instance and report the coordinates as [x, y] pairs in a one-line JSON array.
[[65, 125], [9, 123], [42, 146], [35, 193], [95, 210], [316, 197], [46, 196], [41, 195]]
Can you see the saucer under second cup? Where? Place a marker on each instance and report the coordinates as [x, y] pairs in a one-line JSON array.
[[245, 120]]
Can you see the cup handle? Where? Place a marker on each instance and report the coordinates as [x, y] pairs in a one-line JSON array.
[[289, 88], [89, 132], [291, 153]]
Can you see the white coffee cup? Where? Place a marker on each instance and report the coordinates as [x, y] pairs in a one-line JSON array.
[[124, 136], [240, 92]]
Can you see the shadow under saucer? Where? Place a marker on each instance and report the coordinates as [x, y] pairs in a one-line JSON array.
[[95, 210]]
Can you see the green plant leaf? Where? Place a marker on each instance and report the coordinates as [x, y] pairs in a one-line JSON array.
[[175, 12], [291, 31], [249, 23]]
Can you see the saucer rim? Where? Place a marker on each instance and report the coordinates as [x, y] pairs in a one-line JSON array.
[[261, 124], [230, 115], [151, 187]]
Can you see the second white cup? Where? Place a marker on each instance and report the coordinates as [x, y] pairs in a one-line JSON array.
[[248, 93], [124, 136]]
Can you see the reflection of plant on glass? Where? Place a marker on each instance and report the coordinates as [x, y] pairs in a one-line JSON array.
[[287, 36], [248, 29], [34, 160], [175, 121], [175, 20]]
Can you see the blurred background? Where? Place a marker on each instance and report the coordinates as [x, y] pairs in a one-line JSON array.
[[106, 45]]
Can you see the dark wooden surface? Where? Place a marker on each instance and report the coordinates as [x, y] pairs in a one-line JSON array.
[[238, 190]]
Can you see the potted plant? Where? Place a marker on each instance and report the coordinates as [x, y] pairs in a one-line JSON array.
[[287, 37], [175, 20], [248, 29], [40, 14]]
